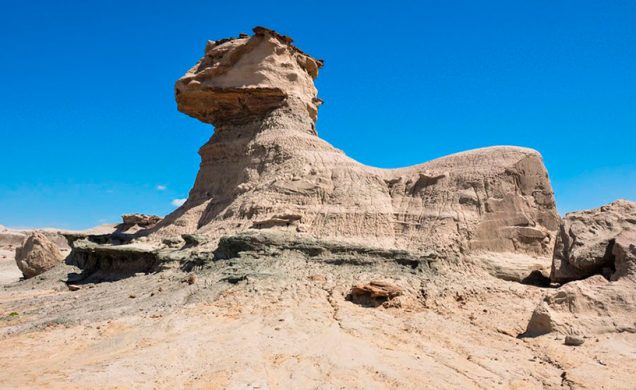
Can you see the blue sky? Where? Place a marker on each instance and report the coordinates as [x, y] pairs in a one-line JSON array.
[[89, 127]]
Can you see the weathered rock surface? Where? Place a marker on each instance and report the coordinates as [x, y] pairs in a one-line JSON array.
[[107, 261], [574, 340], [591, 306], [266, 168], [599, 241], [142, 220], [37, 255], [374, 293], [283, 321], [599, 247]]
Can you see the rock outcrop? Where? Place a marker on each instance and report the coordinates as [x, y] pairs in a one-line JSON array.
[[142, 220], [38, 254], [595, 254], [599, 241], [266, 168]]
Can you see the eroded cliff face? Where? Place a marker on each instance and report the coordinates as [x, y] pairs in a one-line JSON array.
[[266, 168]]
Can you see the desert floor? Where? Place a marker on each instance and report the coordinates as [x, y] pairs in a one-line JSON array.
[[285, 323]]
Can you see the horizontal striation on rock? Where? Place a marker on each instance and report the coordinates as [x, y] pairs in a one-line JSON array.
[[265, 163]]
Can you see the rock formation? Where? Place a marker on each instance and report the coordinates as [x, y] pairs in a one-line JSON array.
[[596, 249], [266, 168], [38, 254], [338, 273], [142, 220], [596, 242]]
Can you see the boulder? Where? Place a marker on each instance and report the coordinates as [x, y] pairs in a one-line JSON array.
[[596, 242], [38, 254], [590, 306]]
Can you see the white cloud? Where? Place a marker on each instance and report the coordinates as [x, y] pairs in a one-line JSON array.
[[178, 202], [161, 187]]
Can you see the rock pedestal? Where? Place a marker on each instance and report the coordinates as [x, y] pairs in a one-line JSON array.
[[266, 168]]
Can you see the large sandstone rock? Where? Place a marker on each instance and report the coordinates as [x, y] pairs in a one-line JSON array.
[[599, 241], [599, 247], [266, 168], [591, 306], [38, 254]]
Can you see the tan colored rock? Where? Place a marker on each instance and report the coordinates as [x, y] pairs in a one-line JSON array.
[[599, 247], [38, 254], [624, 252], [266, 168], [574, 340], [243, 79], [591, 306], [599, 241]]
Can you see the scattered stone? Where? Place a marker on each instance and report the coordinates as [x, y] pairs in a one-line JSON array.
[[574, 340], [37, 255], [73, 287]]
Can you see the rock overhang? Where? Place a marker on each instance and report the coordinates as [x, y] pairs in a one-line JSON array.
[[242, 79]]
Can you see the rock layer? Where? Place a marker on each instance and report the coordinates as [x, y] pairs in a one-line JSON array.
[[266, 168]]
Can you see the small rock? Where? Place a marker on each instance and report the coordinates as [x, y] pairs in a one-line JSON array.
[[132, 296], [73, 287], [374, 293], [574, 340]]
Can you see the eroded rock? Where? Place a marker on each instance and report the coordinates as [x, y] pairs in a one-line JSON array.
[[595, 256], [596, 242], [374, 293], [266, 168], [38, 254]]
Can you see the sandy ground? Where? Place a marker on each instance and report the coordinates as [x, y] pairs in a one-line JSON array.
[[9, 272], [288, 325]]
